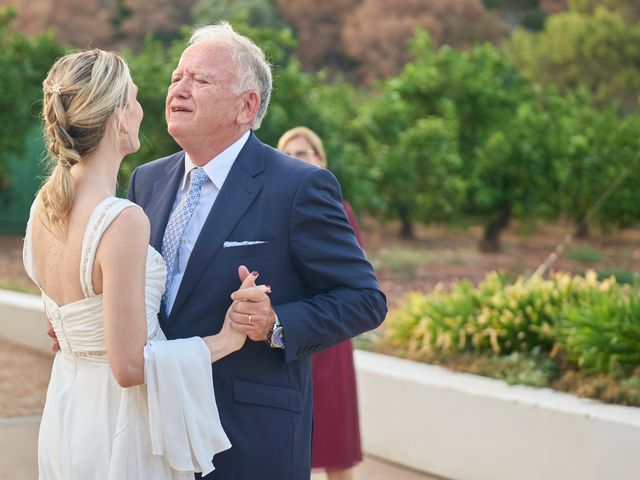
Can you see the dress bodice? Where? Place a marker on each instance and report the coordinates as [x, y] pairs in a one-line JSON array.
[[79, 325]]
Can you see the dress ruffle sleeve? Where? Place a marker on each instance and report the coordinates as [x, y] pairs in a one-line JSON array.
[[184, 421]]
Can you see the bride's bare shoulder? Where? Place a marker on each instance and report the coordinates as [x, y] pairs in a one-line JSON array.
[[129, 232]]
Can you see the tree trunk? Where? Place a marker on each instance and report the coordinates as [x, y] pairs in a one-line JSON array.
[[582, 229], [491, 238], [406, 231]]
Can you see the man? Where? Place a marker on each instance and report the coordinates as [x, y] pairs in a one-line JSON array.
[[280, 217]]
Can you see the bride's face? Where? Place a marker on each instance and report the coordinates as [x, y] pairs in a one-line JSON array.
[[131, 119]]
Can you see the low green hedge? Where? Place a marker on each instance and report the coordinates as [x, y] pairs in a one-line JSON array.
[[526, 330]]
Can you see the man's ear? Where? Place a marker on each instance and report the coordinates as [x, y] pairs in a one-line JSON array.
[[250, 104]]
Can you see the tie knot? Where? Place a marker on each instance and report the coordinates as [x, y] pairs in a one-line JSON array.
[[198, 177]]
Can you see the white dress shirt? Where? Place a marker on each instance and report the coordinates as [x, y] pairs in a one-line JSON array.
[[217, 170]]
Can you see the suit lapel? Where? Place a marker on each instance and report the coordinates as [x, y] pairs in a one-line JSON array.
[[238, 192], [164, 192]]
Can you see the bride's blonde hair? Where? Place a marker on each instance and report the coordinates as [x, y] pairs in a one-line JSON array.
[[82, 92]]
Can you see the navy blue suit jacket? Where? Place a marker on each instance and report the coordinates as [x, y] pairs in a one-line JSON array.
[[323, 291]]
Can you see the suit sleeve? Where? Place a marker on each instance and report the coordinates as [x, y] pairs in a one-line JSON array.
[[345, 299]]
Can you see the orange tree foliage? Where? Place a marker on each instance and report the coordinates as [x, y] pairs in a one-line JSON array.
[[376, 33]]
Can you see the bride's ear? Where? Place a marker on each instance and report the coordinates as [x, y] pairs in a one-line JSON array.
[[121, 122]]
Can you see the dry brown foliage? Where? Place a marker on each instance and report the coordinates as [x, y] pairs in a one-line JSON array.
[[376, 33], [94, 23], [318, 26]]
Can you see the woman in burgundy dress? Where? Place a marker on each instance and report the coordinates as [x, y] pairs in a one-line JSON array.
[[336, 430]]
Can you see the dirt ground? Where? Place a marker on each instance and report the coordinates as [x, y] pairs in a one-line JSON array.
[[436, 255]]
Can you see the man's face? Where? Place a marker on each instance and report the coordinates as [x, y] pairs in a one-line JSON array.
[[201, 108]]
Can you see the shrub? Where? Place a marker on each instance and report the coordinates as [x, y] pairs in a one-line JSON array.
[[595, 324], [601, 332]]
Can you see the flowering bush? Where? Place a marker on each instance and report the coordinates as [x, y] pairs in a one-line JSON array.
[[594, 324]]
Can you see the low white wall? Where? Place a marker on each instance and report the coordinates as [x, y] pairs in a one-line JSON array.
[[22, 320], [466, 427]]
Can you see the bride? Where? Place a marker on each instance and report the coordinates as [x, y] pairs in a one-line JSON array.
[[122, 402]]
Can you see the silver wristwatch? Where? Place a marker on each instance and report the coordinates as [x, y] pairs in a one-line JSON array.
[[275, 338]]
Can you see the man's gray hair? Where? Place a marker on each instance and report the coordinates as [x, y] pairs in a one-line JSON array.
[[254, 71]]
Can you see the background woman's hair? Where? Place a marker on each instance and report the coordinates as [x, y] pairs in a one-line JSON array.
[[81, 94], [309, 135]]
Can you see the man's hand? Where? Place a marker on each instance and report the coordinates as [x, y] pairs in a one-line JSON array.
[[56, 346], [251, 311]]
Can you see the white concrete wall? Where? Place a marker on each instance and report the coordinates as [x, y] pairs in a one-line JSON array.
[[466, 427], [22, 320]]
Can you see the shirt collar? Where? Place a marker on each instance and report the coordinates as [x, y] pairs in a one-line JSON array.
[[218, 167]]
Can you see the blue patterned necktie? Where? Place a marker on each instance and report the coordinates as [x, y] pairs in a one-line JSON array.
[[178, 221]]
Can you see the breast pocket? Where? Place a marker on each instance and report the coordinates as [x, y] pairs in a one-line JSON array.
[[248, 251]]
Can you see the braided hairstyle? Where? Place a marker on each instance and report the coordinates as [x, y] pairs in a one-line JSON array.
[[82, 93]]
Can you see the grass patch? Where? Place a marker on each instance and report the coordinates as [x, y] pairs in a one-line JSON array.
[[621, 276], [19, 287], [584, 254], [399, 261], [456, 261]]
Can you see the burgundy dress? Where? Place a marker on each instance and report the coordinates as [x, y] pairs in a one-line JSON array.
[[336, 428]]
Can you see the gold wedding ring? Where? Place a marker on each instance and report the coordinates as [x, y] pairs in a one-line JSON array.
[[250, 318]]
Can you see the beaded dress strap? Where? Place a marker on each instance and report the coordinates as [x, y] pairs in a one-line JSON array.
[[103, 215]]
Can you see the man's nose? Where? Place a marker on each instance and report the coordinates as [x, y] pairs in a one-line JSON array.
[[181, 88]]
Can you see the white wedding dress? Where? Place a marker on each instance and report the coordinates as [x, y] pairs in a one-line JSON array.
[[94, 429]]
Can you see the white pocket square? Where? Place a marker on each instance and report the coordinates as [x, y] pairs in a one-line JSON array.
[[242, 244]]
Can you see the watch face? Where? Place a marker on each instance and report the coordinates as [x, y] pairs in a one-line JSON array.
[[277, 339]]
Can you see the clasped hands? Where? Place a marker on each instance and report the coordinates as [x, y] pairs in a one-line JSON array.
[[251, 313]]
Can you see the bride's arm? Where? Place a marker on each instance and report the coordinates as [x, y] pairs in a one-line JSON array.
[[121, 258]]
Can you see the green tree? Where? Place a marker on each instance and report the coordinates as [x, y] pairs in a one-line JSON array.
[[477, 91], [256, 13], [597, 49], [602, 175], [628, 9], [517, 172], [24, 63]]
